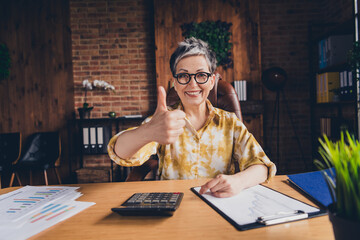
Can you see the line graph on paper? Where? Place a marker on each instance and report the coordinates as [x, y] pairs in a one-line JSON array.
[[254, 202], [20, 203]]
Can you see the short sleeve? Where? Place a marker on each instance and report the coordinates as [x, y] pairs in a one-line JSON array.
[[248, 152], [138, 158]]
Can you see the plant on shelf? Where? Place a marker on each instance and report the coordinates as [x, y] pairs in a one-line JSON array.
[[84, 112], [216, 34], [5, 62], [87, 86], [342, 158]]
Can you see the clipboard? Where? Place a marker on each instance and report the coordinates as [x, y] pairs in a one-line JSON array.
[[259, 206]]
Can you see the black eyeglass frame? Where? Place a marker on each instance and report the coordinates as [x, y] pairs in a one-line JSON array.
[[190, 76]]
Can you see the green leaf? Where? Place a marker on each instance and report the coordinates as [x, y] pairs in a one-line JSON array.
[[344, 156], [216, 34]]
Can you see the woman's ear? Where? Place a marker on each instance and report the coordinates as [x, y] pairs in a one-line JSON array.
[[212, 79], [173, 84]]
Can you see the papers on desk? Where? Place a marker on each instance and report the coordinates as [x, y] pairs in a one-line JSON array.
[[259, 206], [30, 210]]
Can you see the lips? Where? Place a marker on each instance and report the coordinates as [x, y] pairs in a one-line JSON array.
[[193, 93]]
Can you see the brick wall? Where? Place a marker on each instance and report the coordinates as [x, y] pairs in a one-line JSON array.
[[284, 43], [114, 41], [337, 10]]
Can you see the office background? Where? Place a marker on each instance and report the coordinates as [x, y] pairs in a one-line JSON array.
[[55, 45]]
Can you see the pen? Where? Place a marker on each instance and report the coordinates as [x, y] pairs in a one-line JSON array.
[[282, 217]]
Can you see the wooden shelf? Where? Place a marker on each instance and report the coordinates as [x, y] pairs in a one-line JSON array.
[[334, 68], [331, 117], [335, 104]]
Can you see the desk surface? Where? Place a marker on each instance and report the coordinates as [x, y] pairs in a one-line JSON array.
[[193, 220]]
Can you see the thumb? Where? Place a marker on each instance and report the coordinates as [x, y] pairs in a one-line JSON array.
[[161, 100]]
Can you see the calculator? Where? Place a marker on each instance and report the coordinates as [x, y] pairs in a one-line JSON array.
[[148, 204]]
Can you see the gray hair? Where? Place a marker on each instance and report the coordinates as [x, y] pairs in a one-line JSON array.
[[193, 47]]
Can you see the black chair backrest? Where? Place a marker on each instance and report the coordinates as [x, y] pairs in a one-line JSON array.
[[10, 148], [41, 148]]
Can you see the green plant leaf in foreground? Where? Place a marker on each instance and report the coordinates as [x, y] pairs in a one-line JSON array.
[[344, 156]]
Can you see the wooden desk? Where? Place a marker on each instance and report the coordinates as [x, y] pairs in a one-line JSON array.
[[193, 220]]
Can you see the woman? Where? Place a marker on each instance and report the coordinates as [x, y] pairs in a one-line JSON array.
[[193, 139]]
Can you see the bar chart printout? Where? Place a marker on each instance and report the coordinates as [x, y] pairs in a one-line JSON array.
[[18, 204], [30, 210]]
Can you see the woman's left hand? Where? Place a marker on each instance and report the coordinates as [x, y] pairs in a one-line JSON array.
[[222, 186]]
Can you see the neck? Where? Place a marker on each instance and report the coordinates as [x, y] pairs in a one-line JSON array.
[[197, 115]]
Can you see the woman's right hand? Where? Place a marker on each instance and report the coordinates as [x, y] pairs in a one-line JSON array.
[[165, 126]]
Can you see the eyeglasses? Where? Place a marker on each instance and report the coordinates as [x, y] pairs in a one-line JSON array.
[[185, 78]]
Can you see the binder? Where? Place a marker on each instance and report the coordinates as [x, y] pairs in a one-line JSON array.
[[240, 89], [100, 139], [93, 148], [237, 88], [339, 46], [318, 99], [95, 138], [351, 85], [345, 84], [243, 94], [259, 206], [321, 88], [332, 82], [86, 140], [322, 57], [313, 186]]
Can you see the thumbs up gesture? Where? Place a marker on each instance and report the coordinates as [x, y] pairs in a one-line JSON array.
[[166, 125]]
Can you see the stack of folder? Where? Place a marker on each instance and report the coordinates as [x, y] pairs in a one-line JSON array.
[[95, 139], [326, 84], [314, 186]]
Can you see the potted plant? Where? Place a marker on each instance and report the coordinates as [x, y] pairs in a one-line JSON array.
[[342, 158], [85, 111]]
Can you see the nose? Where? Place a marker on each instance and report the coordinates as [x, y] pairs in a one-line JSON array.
[[192, 80]]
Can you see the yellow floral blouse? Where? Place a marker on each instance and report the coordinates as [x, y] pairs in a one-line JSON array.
[[222, 145]]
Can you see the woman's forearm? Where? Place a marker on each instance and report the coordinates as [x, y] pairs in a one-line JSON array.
[[251, 176], [129, 142]]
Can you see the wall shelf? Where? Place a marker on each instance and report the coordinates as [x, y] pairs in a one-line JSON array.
[[109, 127], [329, 118]]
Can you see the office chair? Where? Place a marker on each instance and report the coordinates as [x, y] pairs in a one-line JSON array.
[[222, 96], [41, 152], [10, 150]]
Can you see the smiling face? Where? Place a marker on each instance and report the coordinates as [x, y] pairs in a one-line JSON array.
[[193, 95]]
